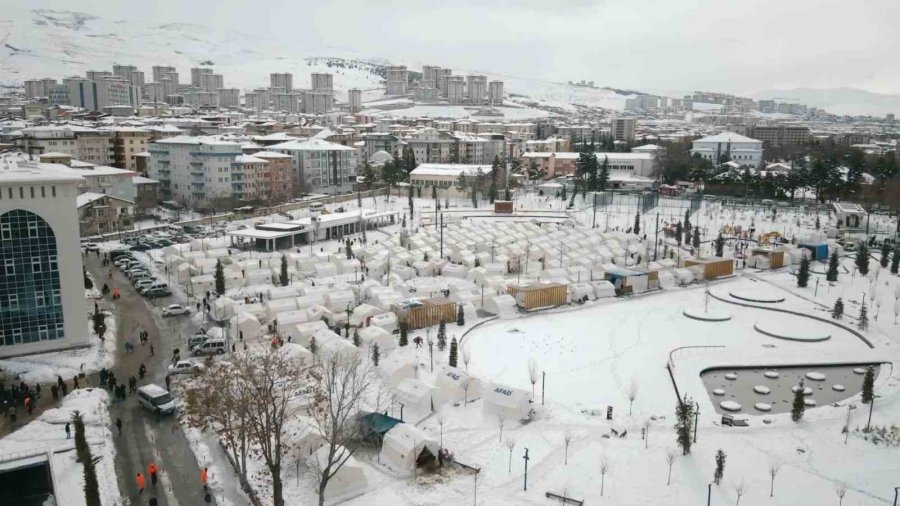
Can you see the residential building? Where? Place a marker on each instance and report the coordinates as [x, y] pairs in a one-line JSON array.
[[38, 88], [159, 72], [146, 193], [42, 305], [123, 71], [495, 93], [430, 73], [375, 142], [155, 92], [354, 99], [48, 139], [170, 87], [476, 89], [211, 82], [456, 88], [471, 149], [94, 146], [229, 97], [58, 94], [734, 147], [317, 102], [253, 101], [284, 82], [430, 145], [442, 76], [278, 175], [555, 164], [128, 142], [622, 129], [196, 75], [642, 102], [195, 171], [767, 106], [446, 177], [286, 102], [320, 165], [173, 78], [98, 75], [322, 82], [780, 135], [95, 95], [103, 214], [426, 92], [199, 99], [136, 78], [397, 80]]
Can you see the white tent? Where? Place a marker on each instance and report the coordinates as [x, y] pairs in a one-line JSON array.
[[361, 313], [503, 305], [273, 307], [339, 300], [454, 385], [603, 289], [301, 332], [321, 337], [223, 308], [302, 435], [512, 403], [581, 291], [338, 347], [349, 478], [290, 317], [297, 352], [247, 324], [402, 447], [414, 395], [387, 321], [395, 369], [376, 335]]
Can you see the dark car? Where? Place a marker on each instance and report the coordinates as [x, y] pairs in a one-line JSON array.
[[141, 247], [116, 253], [157, 292]]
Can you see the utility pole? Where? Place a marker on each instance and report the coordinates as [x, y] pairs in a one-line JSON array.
[[708, 494], [442, 235], [543, 383], [696, 419], [656, 240], [526, 468], [871, 407], [594, 222]]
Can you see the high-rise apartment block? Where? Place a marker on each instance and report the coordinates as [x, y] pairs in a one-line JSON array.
[[622, 129], [96, 75], [196, 74], [495, 92], [321, 82], [124, 71], [253, 101], [317, 102], [476, 88], [354, 99], [95, 95], [36, 88], [284, 82], [212, 82], [136, 78], [397, 80], [456, 90], [229, 97], [286, 102], [160, 71]]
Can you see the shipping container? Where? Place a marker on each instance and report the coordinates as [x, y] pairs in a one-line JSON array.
[[775, 256], [503, 206], [539, 296], [421, 313], [713, 268], [819, 251]]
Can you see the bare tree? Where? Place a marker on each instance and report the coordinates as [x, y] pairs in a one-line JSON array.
[[670, 459], [567, 437], [841, 491], [533, 374], [739, 489], [501, 421], [646, 433], [604, 468], [342, 384], [631, 391], [774, 467], [467, 357], [510, 445]]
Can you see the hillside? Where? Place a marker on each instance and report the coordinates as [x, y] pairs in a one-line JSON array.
[[839, 100]]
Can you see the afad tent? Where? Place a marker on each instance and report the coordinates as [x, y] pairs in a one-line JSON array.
[[511, 403], [406, 447], [349, 479], [394, 369], [377, 335], [296, 352], [415, 396], [246, 325], [455, 385]]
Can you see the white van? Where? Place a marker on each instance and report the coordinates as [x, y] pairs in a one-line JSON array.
[[157, 285], [212, 346], [155, 398], [315, 208]]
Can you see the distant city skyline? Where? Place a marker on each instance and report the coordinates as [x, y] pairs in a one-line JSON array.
[[741, 47]]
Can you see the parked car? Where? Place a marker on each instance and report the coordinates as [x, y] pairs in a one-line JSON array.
[[155, 398], [144, 283], [92, 246], [157, 292], [175, 310], [116, 253], [185, 367], [141, 247], [212, 346]]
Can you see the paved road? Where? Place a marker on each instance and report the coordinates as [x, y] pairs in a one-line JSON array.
[[145, 438]]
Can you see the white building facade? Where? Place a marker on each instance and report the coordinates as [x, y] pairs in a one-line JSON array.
[[320, 165], [737, 148]]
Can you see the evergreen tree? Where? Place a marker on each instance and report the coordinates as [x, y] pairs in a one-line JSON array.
[[313, 346], [862, 258], [376, 354], [895, 260], [492, 192], [720, 245], [356, 340], [838, 311], [637, 223], [679, 230], [460, 316], [404, 339], [562, 195], [803, 273], [720, 466], [283, 277], [535, 173], [818, 223], [442, 336], [474, 195], [410, 197], [832, 273], [684, 422], [454, 352], [603, 174], [696, 241], [348, 249], [863, 321], [220, 278], [798, 406], [687, 220], [885, 254], [868, 387]]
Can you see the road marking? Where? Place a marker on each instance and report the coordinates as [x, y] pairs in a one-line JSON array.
[[163, 473]]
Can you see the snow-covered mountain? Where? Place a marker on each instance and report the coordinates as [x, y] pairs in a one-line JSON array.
[[839, 100], [46, 43]]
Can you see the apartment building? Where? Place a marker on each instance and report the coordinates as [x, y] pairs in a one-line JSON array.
[[253, 101], [446, 176], [317, 102], [495, 93], [128, 142], [42, 305], [286, 102], [283, 82], [780, 135], [354, 99], [93, 146], [397, 78], [109, 91], [456, 90], [159, 72], [103, 214], [621, 165], [320, 165], [199, 99], [622, 129], [48, 139], [476, 89], [38, 88], [196, 75], [229, 97], [278, 175], [737, 148], [194, 171], [322, 81], [136, 78], [212, 82]]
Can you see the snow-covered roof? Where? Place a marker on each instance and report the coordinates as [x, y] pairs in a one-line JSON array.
[[727, 137], [270, 154], [311, 145], [572, 155], [450, 169], [89, 197], [144, 180], [15, 170], [248, 159], [187, 139]]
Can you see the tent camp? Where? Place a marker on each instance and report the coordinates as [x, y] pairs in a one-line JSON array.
[[361, 313], [414, 395], [512, 403], [406, 448], [376, 335], [247, 325], [395, 369], [222, 308], [387, 321], [349, 479], [301, 332], [503, 305], [455, 385], [296, 352]]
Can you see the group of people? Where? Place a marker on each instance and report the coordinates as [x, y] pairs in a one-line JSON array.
[[23, 396]]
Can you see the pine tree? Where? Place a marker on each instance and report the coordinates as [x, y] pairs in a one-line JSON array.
[[862, 258], [863, 321], [895, 260], [838, 311], [885, 254], [696, 241], [313, 346], [356, 340], [868, 386], [720, 245], [832, 273], [562, 195], [454, 352], [798, 406], [818, 223], [410, 196], [684, 422], [404, 340], [460, 316], [376, 354], [637, 223], [220, 278], [687, 221], [679, 230], [442, 336], [803, 273], [348, 249], [720, 466], [283, 278]]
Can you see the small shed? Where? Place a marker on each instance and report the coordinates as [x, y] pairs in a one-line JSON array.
[[581, 292], [421, 313], [629, 281], [775, 256], [406, 447], [818, 250], [512, 403], [713, 268], [539, 296]]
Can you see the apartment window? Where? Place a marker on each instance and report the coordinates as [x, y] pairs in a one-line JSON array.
[[39, 299], [36, 264], [43, 192], [12, 301], [32, 191], [43, 333], [53, 191], [57, 299]]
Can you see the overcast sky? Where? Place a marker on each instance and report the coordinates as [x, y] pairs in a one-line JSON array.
[[661, 46]]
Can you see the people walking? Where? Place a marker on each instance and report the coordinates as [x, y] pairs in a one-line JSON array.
[[68, 431], [168, 381], [54, 391], [142, 370], [152, 351], [74, 384], [152, 470], [204, 475], [140, 483], [119, 425]]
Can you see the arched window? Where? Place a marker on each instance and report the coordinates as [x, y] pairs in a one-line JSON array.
[[28, 253]]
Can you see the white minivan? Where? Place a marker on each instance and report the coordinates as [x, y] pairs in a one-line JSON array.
[[156, 398], [212, 346]]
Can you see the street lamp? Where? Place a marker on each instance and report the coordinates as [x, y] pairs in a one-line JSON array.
[[696, 419]]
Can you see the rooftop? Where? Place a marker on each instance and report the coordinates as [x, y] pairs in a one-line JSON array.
[[15, 170], [727, 137], [311, 145], [449, 169]]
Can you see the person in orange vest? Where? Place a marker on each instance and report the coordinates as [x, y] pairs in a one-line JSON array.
[[140, 483], [203, 477], [152, 470]]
